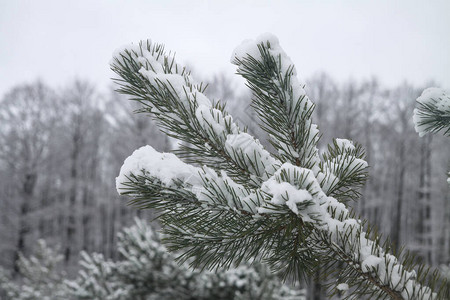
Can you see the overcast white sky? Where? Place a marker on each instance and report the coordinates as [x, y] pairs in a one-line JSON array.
[[60, 40]]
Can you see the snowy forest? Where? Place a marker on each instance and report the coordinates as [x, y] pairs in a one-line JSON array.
[[65, 231]]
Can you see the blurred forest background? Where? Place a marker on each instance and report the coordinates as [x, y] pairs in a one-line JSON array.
[[61, 149]]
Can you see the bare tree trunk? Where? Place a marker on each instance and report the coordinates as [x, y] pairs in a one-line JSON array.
[[428, 216], [104, 227], [397, 227], [368, 112], [71, 226], [365, 189], [91, 186], [112, 232], [424, 222], [348, 118], [445, 237], [315, 287], [86, 218], [27, 192]]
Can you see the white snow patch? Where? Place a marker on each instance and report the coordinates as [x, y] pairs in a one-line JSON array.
[[433, 95], [342, 287], [285, 193], [371, 262], [164, 166], [345, 144], [258, 159], [213, 119]]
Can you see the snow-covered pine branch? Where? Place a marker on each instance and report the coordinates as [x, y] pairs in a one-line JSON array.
[[167, 91], [279, 99], [285, 113], [240, 201], [432, 112]]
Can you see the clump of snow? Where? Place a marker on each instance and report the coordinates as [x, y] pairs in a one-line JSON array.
[[150, 62], [342, 287], [345, 144], [175, 80], [284, 187], [213, 119], [199, 97], [132, 48], [327, 178], [247, 150], [434, 95], [285, 193], [249, 47], [166, 167], [371, 262]]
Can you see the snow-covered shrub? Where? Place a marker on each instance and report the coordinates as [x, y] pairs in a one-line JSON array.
[[97, 280], [147, 271], [39, 276]]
